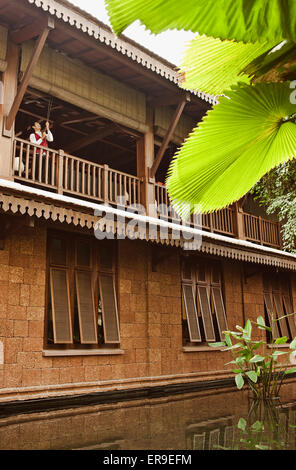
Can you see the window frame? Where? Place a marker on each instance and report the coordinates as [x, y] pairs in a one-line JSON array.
[[202, 277], [72, 268], [275, 303]]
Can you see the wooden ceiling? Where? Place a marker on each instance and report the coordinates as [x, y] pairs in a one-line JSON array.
[[17, 14], [79, 132]]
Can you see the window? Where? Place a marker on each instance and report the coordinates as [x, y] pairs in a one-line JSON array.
[[278, 303], [82, 307], [204, 318]]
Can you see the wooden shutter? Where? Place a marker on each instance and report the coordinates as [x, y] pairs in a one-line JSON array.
[[106, 257], [278, 302], [109, 308], [219, 309], [206, 313], [271, 315], [83, 253], [86, 308], [60, 297], [191, 313], [291, 319], [57, 252], [216, 277], [201, 272], [186, 270]]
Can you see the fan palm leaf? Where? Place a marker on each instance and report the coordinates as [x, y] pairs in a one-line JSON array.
[[214, 66], [237, 142], [241, 20]]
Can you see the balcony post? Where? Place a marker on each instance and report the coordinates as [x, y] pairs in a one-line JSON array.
[[280, 235], [260, 230], [60, 175], [145, 159], [239, 228], [105, 184]]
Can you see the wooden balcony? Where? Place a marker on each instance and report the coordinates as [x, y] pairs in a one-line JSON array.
[[67, 174]]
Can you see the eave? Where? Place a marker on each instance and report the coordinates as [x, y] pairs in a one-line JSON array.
[[18, 199]]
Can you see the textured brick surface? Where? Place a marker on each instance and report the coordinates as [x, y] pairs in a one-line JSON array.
[[149, 300]]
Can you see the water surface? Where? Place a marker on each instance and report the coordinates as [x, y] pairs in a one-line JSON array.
[[195, 421]]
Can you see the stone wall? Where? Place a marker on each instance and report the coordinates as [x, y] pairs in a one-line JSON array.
[[149, 300]]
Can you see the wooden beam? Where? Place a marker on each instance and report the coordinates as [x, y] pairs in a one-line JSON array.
[[27, 76], [169, 100], [87, 118], [89, 139], [167, 138], [28, 32]]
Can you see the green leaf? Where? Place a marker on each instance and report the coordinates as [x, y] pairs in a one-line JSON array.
[[227, 339], [275, 354], [290, 371], [217, 345], [252, 375], [261, 324], [235, 346], [293, 344], [239, 380], [262, 447], [260, 321], [242, 20], [257, 358], [257, 426], [212, 169], [278, 61], [257, 345], [281, 340], [242, 424], [214, 66], [248, 328]]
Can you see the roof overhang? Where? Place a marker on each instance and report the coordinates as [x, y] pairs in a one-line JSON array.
[[117, 223], [80, 36]]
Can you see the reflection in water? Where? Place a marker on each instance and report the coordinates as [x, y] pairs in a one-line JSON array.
[[210, 420], [268, 426]]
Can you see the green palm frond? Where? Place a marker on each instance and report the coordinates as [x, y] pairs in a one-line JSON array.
[[242, 20], [237, 142], [275, 65], [213, 65]]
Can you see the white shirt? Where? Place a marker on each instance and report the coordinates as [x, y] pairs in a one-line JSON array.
[[33, 139]]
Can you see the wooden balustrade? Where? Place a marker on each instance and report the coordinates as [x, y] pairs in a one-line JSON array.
[[68, 174], [262, 231], [81, 177], [256, 229], [72, 175], [121, 188], [35, 164]]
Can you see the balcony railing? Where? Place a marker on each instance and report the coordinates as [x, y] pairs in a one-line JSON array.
[[219, 222], [71, 175], [262, 231], [68, 174], [255, 229]]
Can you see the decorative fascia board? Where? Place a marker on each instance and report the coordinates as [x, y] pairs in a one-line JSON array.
[[48, 209]]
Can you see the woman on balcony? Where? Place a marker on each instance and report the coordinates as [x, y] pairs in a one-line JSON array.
[[41, 138]]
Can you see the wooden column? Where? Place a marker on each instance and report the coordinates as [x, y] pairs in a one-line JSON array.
[[145, 159], [239, 221], [9, 92], [168, 136]]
